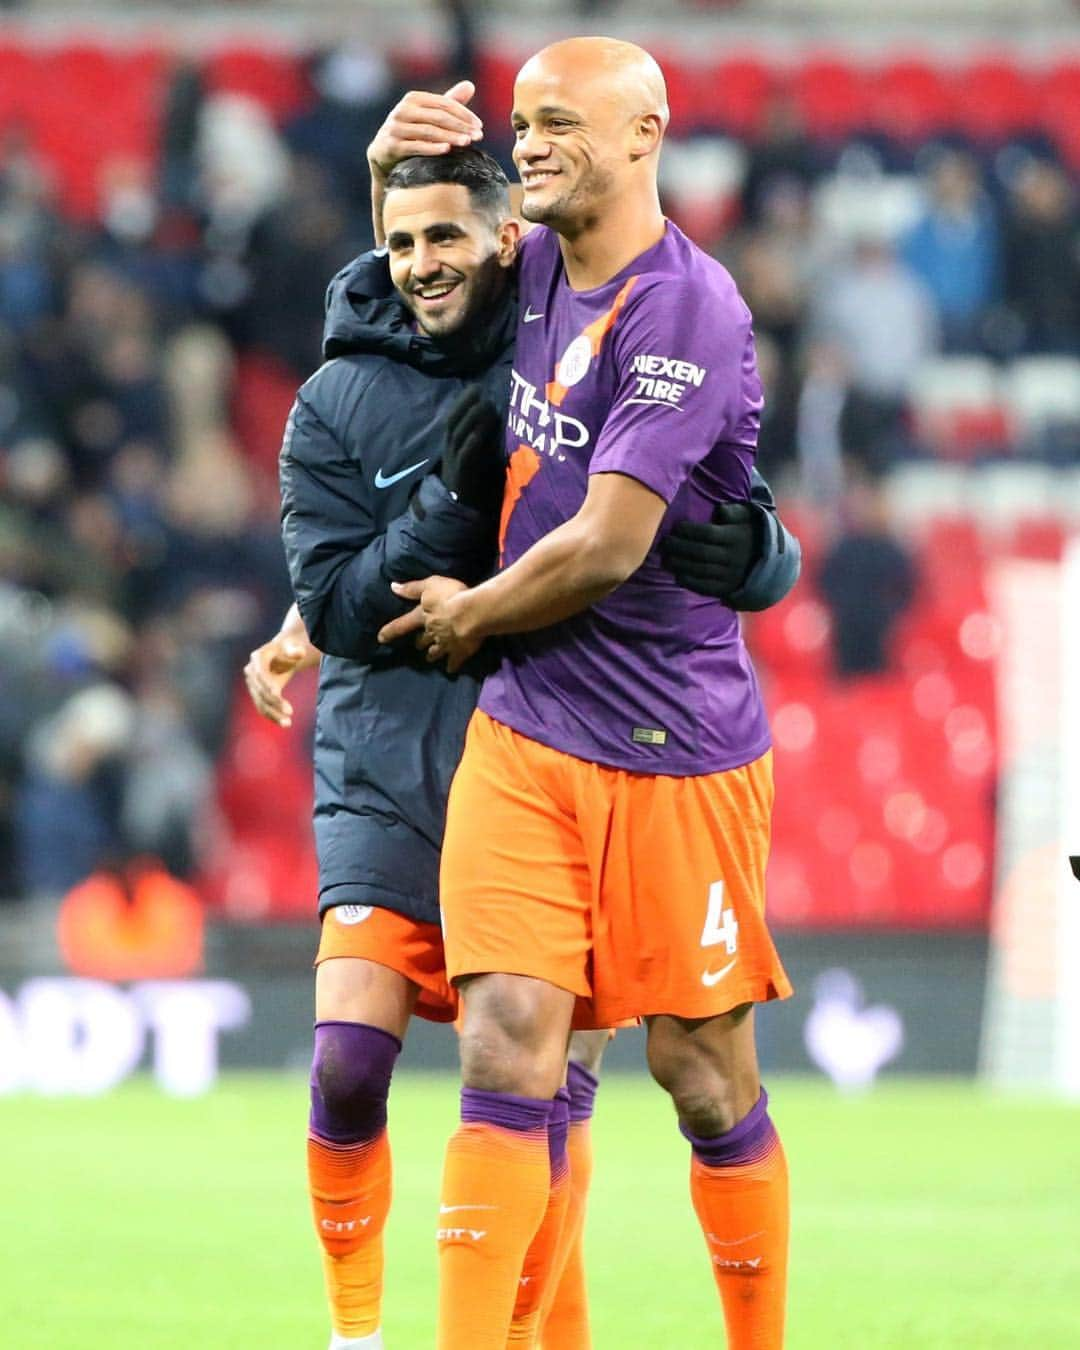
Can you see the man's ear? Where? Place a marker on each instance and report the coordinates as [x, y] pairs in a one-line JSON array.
[[509, 233], [646, 135]]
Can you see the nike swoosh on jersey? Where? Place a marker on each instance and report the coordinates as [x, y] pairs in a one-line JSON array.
[[711, 977], [453, 1209], [529, 316], [385, 480]]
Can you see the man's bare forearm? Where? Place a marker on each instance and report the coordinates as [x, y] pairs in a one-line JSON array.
[[571, 568], [558, 577], [378, 196]]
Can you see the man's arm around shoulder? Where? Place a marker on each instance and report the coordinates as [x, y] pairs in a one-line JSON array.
[[341, 563]]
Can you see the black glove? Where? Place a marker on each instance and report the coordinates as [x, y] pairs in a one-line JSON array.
[[714, 559], [474, 461]]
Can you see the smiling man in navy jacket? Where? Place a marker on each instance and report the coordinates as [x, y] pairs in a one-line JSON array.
[[389, 474]]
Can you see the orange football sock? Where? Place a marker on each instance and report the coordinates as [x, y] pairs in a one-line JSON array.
[[496, 1184], [350, 1196], [739, 1185], [545, 1250], [565, 1319]]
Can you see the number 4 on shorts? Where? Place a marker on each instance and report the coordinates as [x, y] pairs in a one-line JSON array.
[[720, 923]]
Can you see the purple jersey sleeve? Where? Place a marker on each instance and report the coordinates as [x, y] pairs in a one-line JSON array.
[[687, 391]]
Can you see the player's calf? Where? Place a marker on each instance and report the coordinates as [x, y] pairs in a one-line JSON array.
[[497, 1182], [349, 1169], [738, 1172]]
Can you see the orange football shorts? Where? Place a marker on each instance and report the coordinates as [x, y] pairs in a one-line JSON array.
[[641, 894], [413, 949]]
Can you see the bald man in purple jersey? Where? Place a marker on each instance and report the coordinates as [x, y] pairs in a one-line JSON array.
[[608, 826]]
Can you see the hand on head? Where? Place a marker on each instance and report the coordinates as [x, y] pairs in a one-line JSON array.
[[422, 123]]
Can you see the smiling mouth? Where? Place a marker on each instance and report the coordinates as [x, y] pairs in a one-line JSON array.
[[538, 179], [435, 293]]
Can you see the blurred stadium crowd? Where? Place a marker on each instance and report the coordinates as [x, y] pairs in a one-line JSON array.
[[908, 238]]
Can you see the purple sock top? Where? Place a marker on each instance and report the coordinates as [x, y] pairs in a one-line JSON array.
[[558, 1130], [745, 1142], [350, 1080], [582, 1085], [504, 1110]]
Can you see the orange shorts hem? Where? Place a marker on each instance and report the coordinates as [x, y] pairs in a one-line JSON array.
[[413, 949]]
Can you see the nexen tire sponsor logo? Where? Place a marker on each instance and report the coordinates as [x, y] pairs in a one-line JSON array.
[[685, 372], [664, 379]]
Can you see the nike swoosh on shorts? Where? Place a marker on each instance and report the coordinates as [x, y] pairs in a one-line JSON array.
[[711, 977]]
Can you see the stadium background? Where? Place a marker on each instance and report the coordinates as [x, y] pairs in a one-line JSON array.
[[897, 198]]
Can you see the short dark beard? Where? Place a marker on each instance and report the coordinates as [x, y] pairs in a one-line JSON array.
[[596, 183], [488, 284]]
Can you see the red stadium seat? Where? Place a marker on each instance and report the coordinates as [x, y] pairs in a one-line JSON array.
[[1058, 95], [1038, 537], [273, 78], [19, 83], [996, 99], [884, 810], [834, 96], [911, 99], [263, 394], [958, 407], [496, 71], [734, 94]]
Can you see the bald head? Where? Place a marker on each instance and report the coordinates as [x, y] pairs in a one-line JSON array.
[[589, 116], [620, 72]]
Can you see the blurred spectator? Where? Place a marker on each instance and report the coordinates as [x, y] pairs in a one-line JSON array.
[[1042, 259], [880, 323], [133, 923], [304, 237], [354, 86], [782, 159], [880, 316], [954, 248], [774, 264], [28, 231], [178, 169], [67, 807], [817, 428], [867, 580]]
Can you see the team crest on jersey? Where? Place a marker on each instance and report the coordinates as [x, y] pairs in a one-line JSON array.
[[575, 362], [350, 914]]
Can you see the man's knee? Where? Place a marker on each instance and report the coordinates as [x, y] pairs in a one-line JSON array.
[[710, 1072], [514, 1035], [350, 1076]]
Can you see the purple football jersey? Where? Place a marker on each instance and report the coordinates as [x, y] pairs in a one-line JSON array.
[[652, 375]]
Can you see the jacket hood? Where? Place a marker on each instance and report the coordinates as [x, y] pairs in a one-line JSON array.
[[364, 314]]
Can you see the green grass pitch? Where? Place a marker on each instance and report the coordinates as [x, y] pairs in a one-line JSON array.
[[926, 1216]]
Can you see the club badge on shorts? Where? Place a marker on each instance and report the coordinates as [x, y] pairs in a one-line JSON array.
[[350, 914]]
